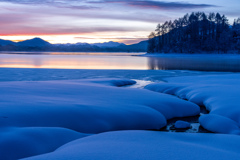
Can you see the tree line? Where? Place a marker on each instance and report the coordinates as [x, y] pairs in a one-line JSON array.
[[196, 32]]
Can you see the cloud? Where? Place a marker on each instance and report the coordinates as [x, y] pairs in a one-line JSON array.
[[168, 5], [101, 18], [127, 40], [88, 4], [108, 38], [73, 4], [156, 4], [20, 30]]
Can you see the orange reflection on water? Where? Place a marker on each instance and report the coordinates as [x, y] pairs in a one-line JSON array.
[[72, 61]]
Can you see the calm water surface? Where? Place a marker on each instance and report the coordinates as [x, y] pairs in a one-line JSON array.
[[69, 60], [79, 60]]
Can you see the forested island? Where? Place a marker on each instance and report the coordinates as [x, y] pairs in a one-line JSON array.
[[196, 33]]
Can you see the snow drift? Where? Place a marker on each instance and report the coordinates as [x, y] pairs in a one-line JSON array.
[[218, 93], [43, 108], [142, 145]]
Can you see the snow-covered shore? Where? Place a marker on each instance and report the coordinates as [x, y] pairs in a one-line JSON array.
[[142, 145], [218, 93], [77, 114]]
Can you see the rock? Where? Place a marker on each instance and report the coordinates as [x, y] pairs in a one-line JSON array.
[[181, 124]]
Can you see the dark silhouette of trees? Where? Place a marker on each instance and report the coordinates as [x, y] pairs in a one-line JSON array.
[[236, 34], [196, 32], [151, 43]]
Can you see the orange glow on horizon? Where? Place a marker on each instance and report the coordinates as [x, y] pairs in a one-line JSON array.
[[127, 38]]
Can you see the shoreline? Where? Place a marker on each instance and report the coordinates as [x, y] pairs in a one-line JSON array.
[[187, 54]]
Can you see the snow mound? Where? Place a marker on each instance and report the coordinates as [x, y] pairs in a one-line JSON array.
[[85, 106], [182, 124], [219, 124], [111, 81], [142, 145], [18, 143], [218, 93]]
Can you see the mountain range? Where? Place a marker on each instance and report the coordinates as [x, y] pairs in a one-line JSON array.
[[38, 44]]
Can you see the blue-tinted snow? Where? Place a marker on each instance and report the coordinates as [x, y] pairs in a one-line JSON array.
[[88, 106], [148, 145], [182, 124], [218, 93], [23, 142], [43, 109], [85, 106]]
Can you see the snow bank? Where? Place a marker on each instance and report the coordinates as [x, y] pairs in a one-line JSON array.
[[220, 124], [111, 81], [18, 143], [142, 145], [85, 106], [218, 93]]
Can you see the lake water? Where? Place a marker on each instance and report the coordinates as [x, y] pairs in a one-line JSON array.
[[78, 60]]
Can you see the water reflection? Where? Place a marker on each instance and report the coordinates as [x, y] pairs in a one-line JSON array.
[[121, 61], [201, 63], [74, 61]]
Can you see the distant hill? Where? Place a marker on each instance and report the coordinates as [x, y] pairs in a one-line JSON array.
[[38, 44], [109, 44], [35, 42], [6, 42], [141, 46]]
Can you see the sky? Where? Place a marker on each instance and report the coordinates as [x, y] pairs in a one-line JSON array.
[[94, 21]]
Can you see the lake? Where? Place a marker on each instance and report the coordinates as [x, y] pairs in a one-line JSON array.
[[131, 61]]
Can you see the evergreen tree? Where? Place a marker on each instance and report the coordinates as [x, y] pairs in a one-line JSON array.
[[151, 43], [195, 33]]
